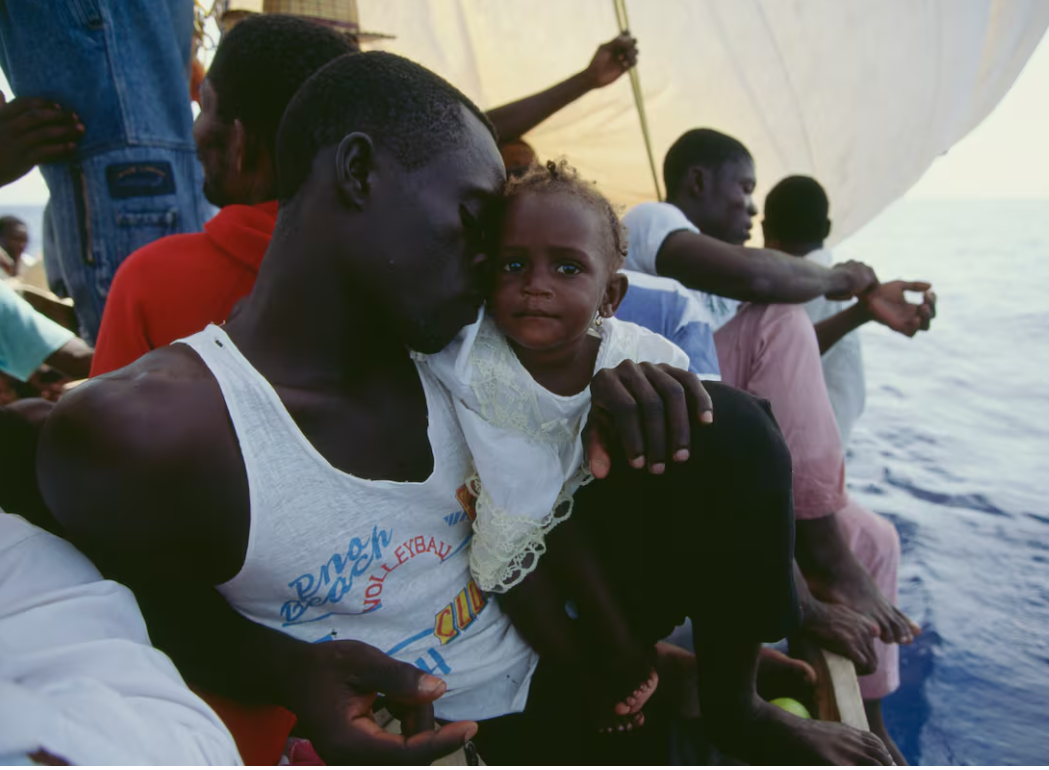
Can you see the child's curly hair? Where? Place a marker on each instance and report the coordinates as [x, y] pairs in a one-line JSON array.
[[560, 177]]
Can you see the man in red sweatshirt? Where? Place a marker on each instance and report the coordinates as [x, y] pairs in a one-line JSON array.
[[178, 285]]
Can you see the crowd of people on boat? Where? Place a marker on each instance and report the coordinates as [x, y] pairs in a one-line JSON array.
[[415, 423]]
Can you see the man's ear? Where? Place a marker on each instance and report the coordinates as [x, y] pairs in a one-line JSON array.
[[696, 181], [615, 290], [238, 146], [355, 169]]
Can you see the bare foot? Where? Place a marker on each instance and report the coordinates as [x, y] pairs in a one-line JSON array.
[[623, 724], [767, 737], [634, 702], [858, 591]]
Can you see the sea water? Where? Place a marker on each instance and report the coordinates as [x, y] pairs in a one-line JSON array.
[[954, 449]]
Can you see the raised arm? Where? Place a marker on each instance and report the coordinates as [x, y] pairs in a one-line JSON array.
[[612, 59], [755, 275]]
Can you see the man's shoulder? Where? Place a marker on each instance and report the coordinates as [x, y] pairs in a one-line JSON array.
[[149, 411], [656, 213]]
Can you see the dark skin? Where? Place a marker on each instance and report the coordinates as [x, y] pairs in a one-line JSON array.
[[549, 282], [143, 470], [850, 614], [720, 203], [551, 277], [239, 166], [884, 303], [34, 131], [13, 240], [610, 61]]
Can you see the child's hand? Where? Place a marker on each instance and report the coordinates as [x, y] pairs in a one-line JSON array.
[[648, 410]]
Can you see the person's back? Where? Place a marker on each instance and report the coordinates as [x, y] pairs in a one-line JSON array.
[[177, 285], [797, 221]]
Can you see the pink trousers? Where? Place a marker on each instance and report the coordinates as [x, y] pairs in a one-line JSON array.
[[771, 351]]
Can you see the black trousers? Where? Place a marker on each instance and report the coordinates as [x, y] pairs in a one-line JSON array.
[[711, 539]]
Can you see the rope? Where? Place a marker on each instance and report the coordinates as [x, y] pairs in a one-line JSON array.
[[639, 99]]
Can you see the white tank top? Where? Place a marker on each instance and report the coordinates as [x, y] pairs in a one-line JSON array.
[[332, 556]]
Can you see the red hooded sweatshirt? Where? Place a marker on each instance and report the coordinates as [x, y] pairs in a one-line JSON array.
[[177, 285]]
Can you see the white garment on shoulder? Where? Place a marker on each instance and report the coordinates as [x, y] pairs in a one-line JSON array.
[[78, 675], [843, 363], [525, 440], [648, 226]]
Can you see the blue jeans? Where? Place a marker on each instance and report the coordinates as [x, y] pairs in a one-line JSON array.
[[121, 66]]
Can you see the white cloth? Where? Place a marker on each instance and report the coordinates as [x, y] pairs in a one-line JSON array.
[[648, 225], [525, 440], [807, 87], [333, 556], [666, 307], [843, 363], [78, 676]]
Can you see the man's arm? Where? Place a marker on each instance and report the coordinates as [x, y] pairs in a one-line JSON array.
[[143, 482], [887, 304], [612, 59], [755, 275], [72, 359]]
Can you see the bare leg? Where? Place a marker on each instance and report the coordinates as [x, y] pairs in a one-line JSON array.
[[877, 725], [744, 726]]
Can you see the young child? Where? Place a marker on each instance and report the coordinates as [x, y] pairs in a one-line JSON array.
[[520, 379]]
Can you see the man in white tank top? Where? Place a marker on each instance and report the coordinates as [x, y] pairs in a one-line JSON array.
[[292, 478]]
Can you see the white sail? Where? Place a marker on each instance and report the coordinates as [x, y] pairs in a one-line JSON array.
[[861, 94]]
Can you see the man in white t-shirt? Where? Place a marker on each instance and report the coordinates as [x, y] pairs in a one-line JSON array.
[[796, 223], [848, 556], [294, 478]]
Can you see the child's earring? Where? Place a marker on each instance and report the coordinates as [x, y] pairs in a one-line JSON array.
[[595, 325]]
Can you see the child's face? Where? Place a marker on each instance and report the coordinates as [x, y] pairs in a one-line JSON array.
[[550, 272]]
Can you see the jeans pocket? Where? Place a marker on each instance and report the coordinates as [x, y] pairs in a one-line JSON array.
[[133, 230]]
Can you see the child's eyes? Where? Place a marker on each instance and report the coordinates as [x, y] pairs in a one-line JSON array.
[[513, 266], [569, 269]]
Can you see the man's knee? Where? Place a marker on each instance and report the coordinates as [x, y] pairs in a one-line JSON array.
[[745, 429]]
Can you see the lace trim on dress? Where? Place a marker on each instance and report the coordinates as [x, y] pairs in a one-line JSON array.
[[506, 548]]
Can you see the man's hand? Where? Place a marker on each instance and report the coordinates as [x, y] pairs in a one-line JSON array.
[[334, 706], [851, 279], [34, 131], [841, 630], [647, 409], [888, 305], [611, 60]]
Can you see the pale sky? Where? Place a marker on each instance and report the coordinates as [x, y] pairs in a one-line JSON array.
[[1006, 156]]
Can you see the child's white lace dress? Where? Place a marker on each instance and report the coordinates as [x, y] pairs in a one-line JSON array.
[[525, 440]]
